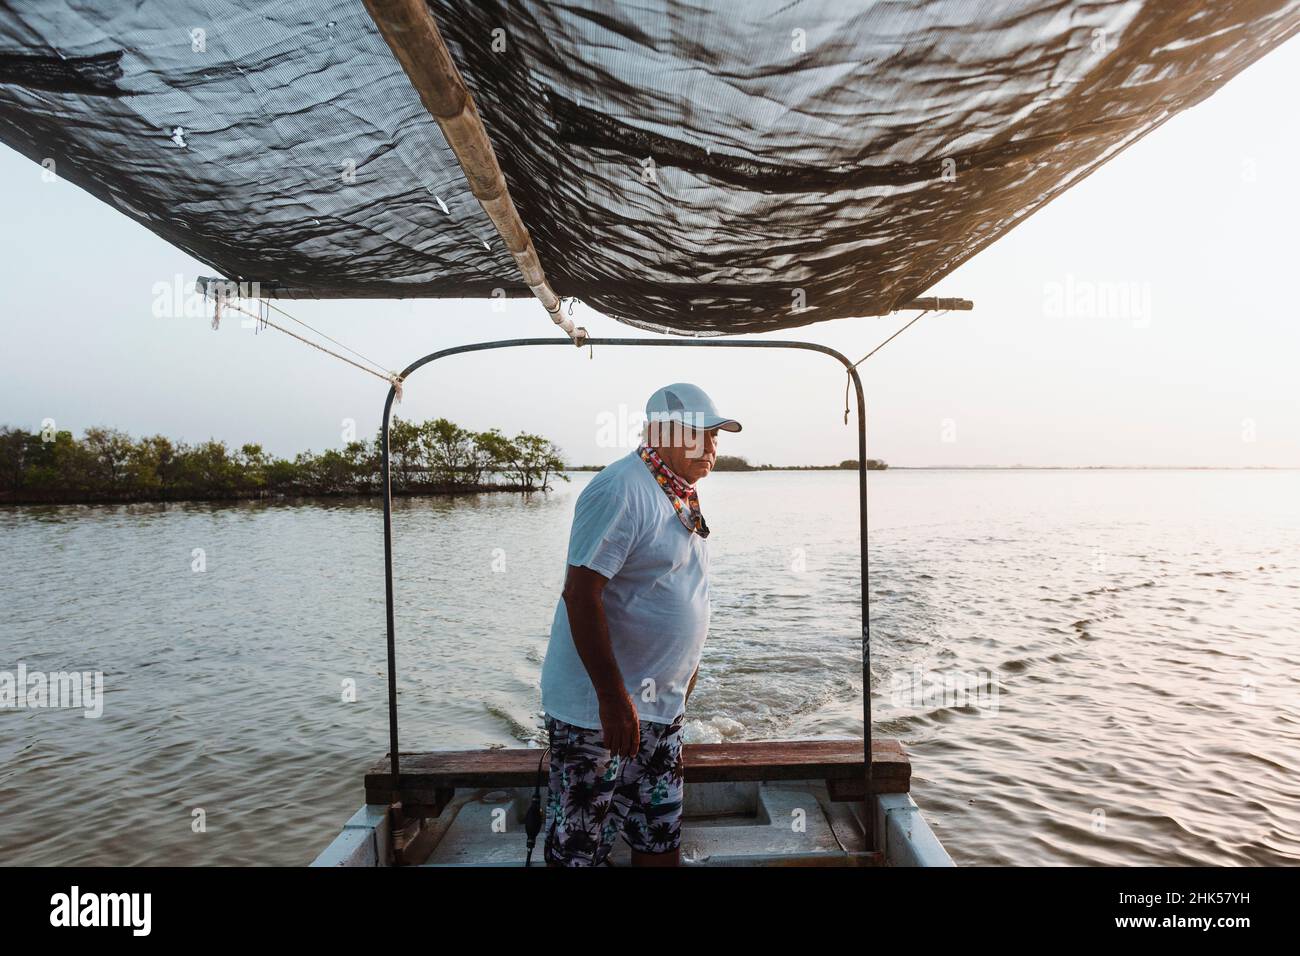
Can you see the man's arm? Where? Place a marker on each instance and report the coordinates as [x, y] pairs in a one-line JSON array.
[[691, 686], [585, 605]]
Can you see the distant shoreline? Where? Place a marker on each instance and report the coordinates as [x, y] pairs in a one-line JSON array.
[[10, 500], [435, 457], [466, 491], [1094, 467]]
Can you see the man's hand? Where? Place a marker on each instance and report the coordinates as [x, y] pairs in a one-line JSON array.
[[619, 723]]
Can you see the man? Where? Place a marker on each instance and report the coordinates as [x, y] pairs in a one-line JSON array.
[[626, 640]]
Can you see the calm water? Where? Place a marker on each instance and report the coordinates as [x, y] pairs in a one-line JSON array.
[[1120, 654]]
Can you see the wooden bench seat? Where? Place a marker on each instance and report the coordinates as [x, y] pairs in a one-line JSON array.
[[429, 779]]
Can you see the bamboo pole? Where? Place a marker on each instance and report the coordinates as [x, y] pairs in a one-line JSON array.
[[411, 33], [934, 304]]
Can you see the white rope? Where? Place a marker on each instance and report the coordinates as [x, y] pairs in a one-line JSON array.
[[848, 377], [223, 304], [219, 304], [271, 305]]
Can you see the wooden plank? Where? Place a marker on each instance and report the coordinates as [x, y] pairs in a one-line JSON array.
[[792, 760], [427, 776]]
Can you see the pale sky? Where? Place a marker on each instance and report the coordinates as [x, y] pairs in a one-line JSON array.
[[1196, 223]]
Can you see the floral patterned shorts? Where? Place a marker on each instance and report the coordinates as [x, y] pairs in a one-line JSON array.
[[596, 796]]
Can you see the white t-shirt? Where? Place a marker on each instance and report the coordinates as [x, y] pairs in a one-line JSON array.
[[656, 601]]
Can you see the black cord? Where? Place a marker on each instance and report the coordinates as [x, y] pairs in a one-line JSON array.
[[533, 819]]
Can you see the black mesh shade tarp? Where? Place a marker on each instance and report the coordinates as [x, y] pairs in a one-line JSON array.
[[695, 167]]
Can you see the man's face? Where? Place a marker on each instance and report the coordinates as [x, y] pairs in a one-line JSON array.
[[690, 452]]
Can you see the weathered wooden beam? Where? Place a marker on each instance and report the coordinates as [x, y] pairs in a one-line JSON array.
[[426, 777], [936, 304], [412, 34]]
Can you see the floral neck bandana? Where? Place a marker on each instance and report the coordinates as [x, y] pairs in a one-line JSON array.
[[685, 499]]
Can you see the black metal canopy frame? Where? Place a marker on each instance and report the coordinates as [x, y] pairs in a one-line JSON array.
[[653, 343]]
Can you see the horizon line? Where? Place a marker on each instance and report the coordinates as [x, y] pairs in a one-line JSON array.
[[987, 468]]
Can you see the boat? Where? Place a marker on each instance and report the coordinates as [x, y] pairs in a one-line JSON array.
[[769, 803], [709, 170]]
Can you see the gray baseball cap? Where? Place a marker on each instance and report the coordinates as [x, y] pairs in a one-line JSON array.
[[688, 404]]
